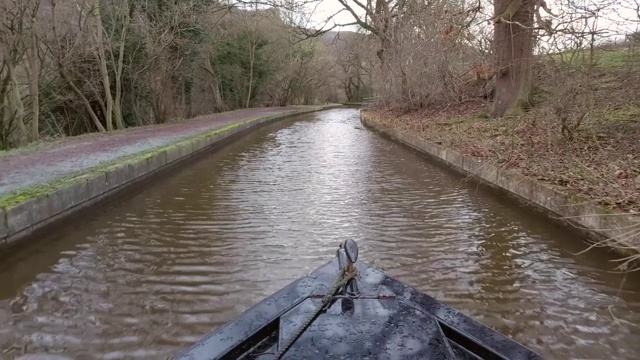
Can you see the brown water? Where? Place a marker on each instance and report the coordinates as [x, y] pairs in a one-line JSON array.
[[152, 273]]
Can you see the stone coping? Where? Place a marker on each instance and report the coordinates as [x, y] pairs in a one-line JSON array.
[[602, 228], [28, 212]]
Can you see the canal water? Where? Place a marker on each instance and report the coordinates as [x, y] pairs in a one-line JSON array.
[[155, 271]]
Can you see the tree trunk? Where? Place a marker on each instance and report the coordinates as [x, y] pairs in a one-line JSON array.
[[65, 75], [347, 89], [6, 121], [218, 103], [104, 72], [252, 56], [34, 77], [513, 43], [16, 104], [117, 105], [385, 45]]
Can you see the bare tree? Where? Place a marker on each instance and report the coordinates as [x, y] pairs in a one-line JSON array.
[[212, 19], [122, 8], [67, 44], [101, 58], [18, 59], [95, 65], [353, 52]]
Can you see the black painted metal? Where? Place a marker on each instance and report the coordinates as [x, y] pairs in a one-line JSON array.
[[389, 320]]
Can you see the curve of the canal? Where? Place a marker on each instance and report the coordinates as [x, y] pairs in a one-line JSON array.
[[156, 270]]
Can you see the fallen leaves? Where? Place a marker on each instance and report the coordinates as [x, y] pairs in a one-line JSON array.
[[601, 164]]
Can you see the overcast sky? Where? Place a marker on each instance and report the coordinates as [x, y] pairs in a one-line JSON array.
[[613, 21], [329, 7]]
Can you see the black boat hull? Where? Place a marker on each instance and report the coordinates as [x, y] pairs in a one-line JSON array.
[[389, 320]]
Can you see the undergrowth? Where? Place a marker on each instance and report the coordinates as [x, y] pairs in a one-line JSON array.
[[580, 134]]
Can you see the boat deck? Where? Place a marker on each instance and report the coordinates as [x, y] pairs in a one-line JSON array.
[[388, 320]]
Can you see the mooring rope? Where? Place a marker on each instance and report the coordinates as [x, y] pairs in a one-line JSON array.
[[343, 279]]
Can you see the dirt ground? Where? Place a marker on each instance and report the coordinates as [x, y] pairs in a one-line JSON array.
[[601, 162]]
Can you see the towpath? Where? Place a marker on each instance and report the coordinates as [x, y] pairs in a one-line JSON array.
[[49, 161]]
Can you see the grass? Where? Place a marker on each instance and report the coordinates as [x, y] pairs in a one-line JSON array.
[[603, 58], [20, 196], [600, 162], [52, 141]]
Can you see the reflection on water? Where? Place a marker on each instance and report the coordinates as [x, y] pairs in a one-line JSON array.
[[154, 272]]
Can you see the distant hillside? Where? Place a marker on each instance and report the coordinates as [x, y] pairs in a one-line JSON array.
[[331, 37]]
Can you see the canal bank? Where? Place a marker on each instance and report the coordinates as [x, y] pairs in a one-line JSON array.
[[152, 272], [42, 186], [600, 227]]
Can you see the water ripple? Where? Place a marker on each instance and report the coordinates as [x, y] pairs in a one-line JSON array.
[[156, 272]]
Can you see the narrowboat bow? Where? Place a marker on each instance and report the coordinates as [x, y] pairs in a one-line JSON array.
[[348, 310]]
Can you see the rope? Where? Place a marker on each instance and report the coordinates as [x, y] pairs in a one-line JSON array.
[[342, 280]]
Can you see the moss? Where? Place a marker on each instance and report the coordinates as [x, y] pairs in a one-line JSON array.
[[606, 59], [624, 114], [485, 115], [23, 195], [33, 192]]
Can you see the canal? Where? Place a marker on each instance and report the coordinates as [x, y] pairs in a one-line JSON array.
[[154, 271]]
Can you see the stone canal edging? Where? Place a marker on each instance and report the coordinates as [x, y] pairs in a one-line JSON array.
[[619, 231], [34, 209]]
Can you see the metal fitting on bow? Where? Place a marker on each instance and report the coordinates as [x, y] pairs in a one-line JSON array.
[[347, 256]]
